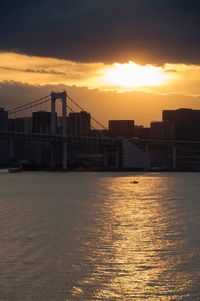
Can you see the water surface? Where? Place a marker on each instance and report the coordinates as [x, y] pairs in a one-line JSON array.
[[98, 236]]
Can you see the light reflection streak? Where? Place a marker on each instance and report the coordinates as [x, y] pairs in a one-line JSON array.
[[138, 248]]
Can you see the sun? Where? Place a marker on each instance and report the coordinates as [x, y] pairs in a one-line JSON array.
[[133, 75]]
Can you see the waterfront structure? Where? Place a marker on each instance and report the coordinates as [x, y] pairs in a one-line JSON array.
[[162, 130], [141, 132], [47, 147], [186, 123], [3, 119], [22, 124], [38, 140], [4, 157], [79, 123], [41, 122], [122, 128]]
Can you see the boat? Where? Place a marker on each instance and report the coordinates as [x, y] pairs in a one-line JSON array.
[[15, 169]]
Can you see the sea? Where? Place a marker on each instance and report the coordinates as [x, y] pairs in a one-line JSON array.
[[70, 236]]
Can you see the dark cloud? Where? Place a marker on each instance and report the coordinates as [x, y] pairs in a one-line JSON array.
[[40, 71], [153, 31]]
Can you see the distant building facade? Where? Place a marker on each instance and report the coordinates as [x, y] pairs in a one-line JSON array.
[[3, 119], [41, 122], [79, 123], [4, 154], [23, 124], [142, 132], [186, 123], [162, 130], [122, 128]]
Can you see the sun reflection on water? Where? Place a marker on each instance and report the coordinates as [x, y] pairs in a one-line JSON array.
[[137, 253]]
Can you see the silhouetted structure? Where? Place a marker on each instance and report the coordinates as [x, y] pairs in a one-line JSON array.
[[3, 119], [79, 123], [23, 124], [141, 132], [4, 157], [186, 123], [41, 122], [122, 128], [162, 130]]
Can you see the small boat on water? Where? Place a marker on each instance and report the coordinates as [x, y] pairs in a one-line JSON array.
[[15, 169], [135, 182]]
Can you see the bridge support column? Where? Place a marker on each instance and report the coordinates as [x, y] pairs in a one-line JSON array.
[[63, 98], [105, 163], [111, 158], [53, 156], [64, 132], [64, 156], [117, 158], [11, 151], [174, 157], [146, 148]]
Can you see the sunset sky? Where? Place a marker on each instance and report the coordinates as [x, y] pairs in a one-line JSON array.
[[119, 58]]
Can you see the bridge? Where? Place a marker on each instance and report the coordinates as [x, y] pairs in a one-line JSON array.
[[55, 108], [63, 132]]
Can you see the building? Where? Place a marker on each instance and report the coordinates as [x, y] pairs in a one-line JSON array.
[[122, 128], [79, 123], [23, 124], [186, 123], [3, 120], [141, 132], [4, 153], [162, 130], [41, 122]]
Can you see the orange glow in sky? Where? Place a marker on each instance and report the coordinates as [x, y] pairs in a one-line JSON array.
[[133, 75], [119, 77]]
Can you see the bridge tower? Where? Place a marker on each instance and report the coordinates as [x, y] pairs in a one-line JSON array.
[[63, 98]]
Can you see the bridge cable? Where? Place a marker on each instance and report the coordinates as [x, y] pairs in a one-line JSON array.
[[84, 110], [27, 104]]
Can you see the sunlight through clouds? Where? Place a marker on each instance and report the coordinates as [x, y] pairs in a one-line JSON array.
[[119, 77]]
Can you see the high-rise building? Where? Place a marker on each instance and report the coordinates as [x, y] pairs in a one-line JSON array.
[[4, 158], [141, 132], [186, 123], [162, 130], [22, 124], [42, 122], [122, 128], [79, 123], [3, 120]]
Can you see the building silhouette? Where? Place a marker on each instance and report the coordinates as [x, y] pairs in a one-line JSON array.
[[162, 130], [141, 132], [122, 128], [4, 157], [23, 124], [41, 122], [3, 119], [186, 123], [79, 123]]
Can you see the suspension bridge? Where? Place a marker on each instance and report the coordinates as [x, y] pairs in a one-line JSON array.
[[47, 120]]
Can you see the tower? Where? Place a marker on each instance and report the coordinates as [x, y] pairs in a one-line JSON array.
[[63, 98]]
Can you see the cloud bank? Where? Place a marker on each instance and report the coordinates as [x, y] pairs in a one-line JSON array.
[[155, 31]]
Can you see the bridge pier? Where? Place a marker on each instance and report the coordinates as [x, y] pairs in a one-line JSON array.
[[64, 156], [11, 151], [114, 155], [63, 98], [53, 156], [174, 157]]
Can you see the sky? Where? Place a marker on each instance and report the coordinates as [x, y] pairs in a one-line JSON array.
[[120, 58]]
